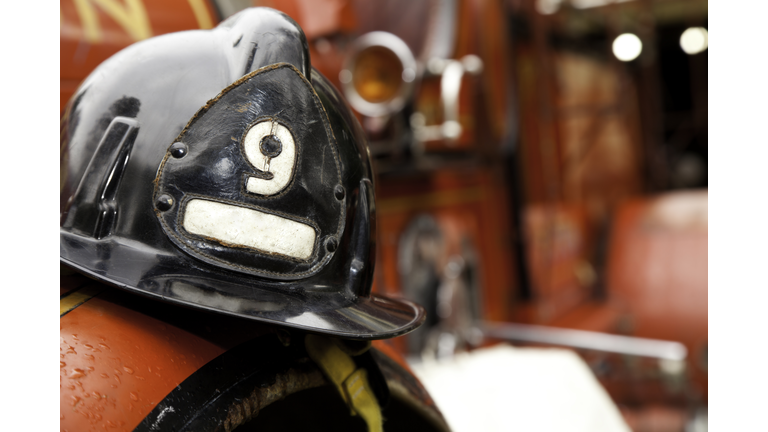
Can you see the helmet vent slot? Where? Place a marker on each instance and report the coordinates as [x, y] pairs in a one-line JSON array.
[[96, 211]]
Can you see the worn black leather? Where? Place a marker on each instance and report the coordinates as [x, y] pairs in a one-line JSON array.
[[215, 168], [126, 181]]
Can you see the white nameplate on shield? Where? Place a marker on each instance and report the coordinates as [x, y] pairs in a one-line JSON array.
[[280, 166], [240, 226]]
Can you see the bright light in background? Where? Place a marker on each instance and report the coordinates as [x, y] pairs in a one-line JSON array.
[[694, 40], [548, 7], [588, 4], [627, 47]]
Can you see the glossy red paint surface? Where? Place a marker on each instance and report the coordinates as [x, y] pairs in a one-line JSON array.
[[658, 271], [116, 364]]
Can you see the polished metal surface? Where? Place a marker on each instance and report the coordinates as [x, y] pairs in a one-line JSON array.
[[403, 53], [634, 346]]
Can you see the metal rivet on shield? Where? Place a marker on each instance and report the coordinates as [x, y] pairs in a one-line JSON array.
[[164, 202], [178, 150], [338, 191], [331, 244], [271, 146]]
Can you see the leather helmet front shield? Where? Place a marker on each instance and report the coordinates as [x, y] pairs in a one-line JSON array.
[[226, 199]]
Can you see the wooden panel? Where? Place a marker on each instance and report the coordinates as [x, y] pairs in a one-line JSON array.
[[658, 270], [561, 275], [468, 205], [595, 159]]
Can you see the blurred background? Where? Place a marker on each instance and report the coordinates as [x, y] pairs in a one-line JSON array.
[[541, 182]]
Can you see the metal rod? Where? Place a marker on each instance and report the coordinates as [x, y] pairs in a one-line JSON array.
[[582, 339]]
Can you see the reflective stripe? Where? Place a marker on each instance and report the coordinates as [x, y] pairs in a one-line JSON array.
[[75, 298], [241, 226]]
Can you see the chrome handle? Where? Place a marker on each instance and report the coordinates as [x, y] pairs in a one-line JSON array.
[[627, 345], [451, 72]]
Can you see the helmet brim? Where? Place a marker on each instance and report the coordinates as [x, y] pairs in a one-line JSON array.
[[140, 269]]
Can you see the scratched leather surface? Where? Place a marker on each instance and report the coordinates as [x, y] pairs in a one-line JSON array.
[[216, 168]]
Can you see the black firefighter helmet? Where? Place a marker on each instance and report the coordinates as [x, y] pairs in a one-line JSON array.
[[218, 170]]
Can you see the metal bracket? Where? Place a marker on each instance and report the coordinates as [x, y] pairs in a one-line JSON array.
[[451, 72]]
